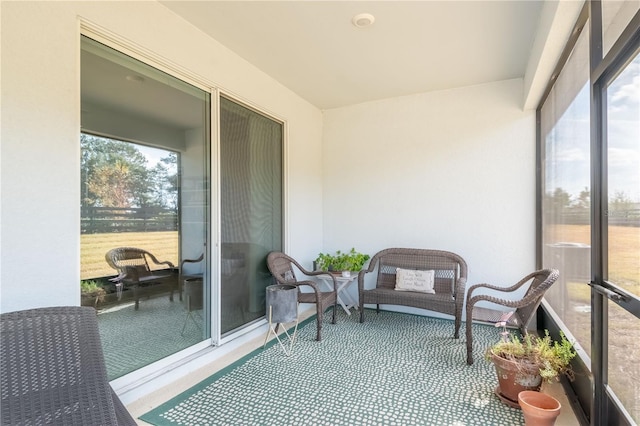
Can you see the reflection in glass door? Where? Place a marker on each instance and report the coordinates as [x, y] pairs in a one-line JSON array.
[[623, 231], [566, 203], [144, 208], [251, 182]]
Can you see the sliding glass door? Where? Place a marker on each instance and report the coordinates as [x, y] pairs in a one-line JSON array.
[[145, 161], [251, 182], [146, 248], [622, 254]]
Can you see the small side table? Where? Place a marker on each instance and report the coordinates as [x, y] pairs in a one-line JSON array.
[[344, 298]]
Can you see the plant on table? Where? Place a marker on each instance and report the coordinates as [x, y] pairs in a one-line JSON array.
[[350, 261]]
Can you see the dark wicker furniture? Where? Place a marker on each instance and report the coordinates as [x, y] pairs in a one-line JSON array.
[[52, 370], [281, 267], [194, 296], [449, 284], [138, 270], [182, 276], [525, 307]]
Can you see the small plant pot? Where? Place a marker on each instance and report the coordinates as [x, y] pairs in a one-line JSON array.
[[282, 303], [539, 409], [513, 379], [88, 300]]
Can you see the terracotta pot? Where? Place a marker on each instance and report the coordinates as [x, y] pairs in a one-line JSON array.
[[539, 409], [514, 378]]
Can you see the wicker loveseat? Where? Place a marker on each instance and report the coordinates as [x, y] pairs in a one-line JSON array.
[[142, 271], [449, 281]]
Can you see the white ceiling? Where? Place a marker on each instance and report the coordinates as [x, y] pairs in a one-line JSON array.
[[312, 47], [113, 85]]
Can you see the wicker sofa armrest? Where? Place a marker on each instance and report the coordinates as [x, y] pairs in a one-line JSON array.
[[157, 262], [314, 274], [494, 287]]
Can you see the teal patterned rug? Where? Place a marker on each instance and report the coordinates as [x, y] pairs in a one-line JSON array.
[[133, 339], [394, 369]]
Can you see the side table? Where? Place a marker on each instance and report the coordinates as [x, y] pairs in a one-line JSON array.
[[344, 298]]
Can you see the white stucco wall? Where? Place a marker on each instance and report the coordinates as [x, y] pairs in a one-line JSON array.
[[40, 179], [451, 170]]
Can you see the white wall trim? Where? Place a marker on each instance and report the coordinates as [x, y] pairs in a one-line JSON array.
[[121, 44], [554, 29]]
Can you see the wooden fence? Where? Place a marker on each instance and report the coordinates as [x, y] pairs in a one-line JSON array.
[[627, 217], [122, 219]]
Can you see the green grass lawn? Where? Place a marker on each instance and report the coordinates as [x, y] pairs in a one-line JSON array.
[[624, 250], [93, 247], [623, 328]]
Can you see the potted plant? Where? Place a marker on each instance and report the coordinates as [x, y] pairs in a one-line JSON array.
[[91, 293], [524, 363], [351, 261]]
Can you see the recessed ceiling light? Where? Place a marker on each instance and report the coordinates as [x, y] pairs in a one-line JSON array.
[[362, 20], [135, 78]]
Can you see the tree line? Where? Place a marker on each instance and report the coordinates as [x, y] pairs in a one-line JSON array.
[[560, 199], [561, 207], [117, 174]]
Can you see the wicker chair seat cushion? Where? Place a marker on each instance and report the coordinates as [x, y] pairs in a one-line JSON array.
[[410, 298], [326, 298], [493, 316], [151, 278]]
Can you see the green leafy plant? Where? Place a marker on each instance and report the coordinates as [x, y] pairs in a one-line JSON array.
[[550, 358], [324, 261], [349, 261], [91, 288]]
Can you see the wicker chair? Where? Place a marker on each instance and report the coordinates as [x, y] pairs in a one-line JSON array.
[[134, 270], [449, 282], [52, 370], [281, 267], [194, 295], [182, 276], [525, 307]]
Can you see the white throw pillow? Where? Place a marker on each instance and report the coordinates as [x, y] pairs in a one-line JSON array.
[[415, 280]]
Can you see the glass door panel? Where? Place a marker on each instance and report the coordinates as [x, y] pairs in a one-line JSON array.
[[566, 202], [623, 233], [623, 152], [144, 207], [624, 359], [251, 152]]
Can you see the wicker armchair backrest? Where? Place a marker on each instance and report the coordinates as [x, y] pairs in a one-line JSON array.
[[126, 259], [541, 281], [280, 266]]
